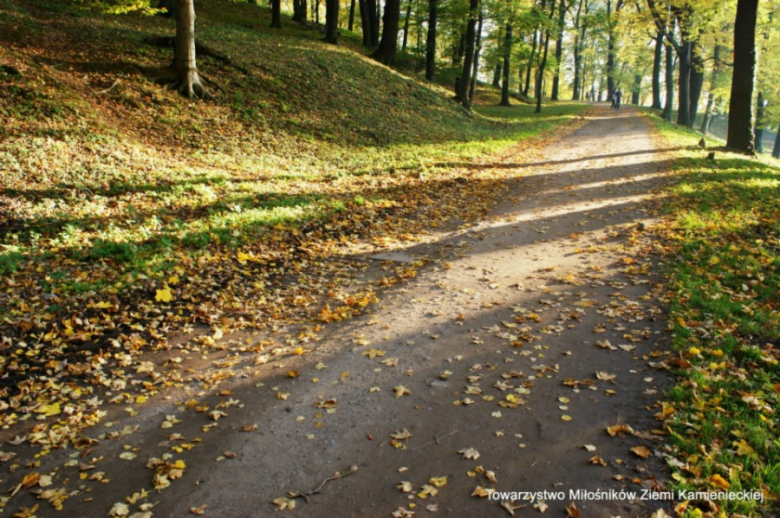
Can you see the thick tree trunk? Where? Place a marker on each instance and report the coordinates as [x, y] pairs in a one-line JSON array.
[[684, 86], [276, 14], [636, 90], [669, 80], [505, 66], [430, 42], [475, 71], [351, 22], [406, 25], [331, 21], [373, 21], [468, 59], [558, 52], [659, 49], [184, 66], [386, 51], [497, 74], [759, 131], [461, 49], [530, 64], [365, 23], [740, 132], [696, 80], [316, 9]]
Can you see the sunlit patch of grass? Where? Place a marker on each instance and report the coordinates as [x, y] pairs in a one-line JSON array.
[[724, 269]]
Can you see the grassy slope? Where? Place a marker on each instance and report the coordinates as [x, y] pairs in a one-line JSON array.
[[723, 239], [126, 209]]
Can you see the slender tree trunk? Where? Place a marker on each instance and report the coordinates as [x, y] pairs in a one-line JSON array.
[[332, 21], [610, 52], [507, 57], [539, 90], [276, 14], [497, 74], [659, 49], [430, 42], [468, 59], [386, 51], [669, 73], [317, 12], [759, 131], [743, 83], [475, 71], [184, 66], [716, 71], [776, 149], [406, 25], [351, 23], [530, 64], [365, 23], [379, 15], [558, 52]]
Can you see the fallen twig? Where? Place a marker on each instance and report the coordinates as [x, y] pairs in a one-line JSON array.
[[318, 489], [116, 83]]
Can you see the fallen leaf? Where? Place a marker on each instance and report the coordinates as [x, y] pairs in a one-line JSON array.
[[641, 451], [400, 391], [469, 453]]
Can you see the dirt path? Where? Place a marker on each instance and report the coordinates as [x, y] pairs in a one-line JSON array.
[[508, 311]]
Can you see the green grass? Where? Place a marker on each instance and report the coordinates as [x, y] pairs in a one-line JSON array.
[[723, 246]]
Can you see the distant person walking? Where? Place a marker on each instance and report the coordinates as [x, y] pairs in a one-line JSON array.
[[618, 98], [614, 101]]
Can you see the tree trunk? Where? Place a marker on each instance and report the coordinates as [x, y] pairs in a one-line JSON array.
[[276, 14], [430, 42], [740, 132], [365, 23], [696, 79], [473, 85], [636, 90], [684, 86], [716, 71], [558, 52], [776, 149], [507, 56], [530, 64], [406, 25], [468, 59], [497, 74], [610, 52], [659, 49], [351, 22], [187, 81], [373, 21], [331, 21], [759, 131], [386, 51], [539, 92], [669, 73]]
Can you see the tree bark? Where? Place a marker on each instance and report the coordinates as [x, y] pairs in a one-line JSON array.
[[475, 71], [684, 86], [669, 73], [579, 41], [530, 64], [743, 82], [696, 79], [351, 22], [373, 21], [558, 52], [365, 23], [331, 21], [184, 66], [610, 52], [406, 25], [468, 59], [539, 92], [497, 74], [386, 51], [657, 58], [507, 57], [430, 42], [276, 14], [776, 149], [759, 131], [636, 90]]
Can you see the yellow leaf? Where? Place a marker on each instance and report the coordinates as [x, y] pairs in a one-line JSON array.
[[103, 305], [714, 260], [140, 399], [566, 417], [242, 257], [743, 448], [173, 279], [48, 410], [438, 481], [717, 480], [164, 295]]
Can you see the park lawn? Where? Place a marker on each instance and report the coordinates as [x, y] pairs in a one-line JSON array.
[[721, 241]]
